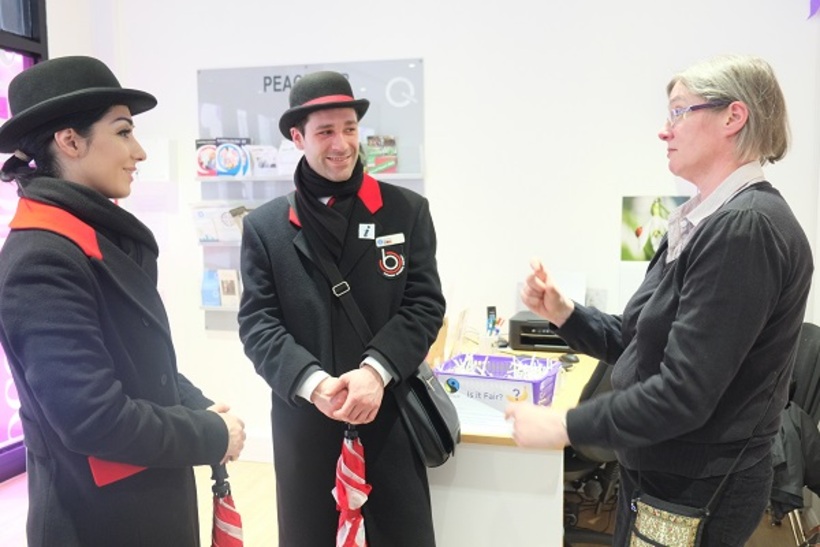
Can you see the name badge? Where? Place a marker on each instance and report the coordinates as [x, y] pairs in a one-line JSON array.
[[367, 231], [392, 239]]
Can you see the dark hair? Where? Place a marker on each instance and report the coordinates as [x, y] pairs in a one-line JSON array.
[[37, 146], [301, 126]]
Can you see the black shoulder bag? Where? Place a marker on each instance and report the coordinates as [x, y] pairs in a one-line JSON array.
[[428, 413]]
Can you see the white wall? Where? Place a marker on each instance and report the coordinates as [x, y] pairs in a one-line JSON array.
[[539, 117]]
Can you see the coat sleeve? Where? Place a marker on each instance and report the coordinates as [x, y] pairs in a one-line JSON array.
[[190, 395], [594, 333], [53, 329], [403, 342], [275, 354]]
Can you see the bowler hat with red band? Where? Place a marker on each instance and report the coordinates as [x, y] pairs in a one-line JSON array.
[[60, 87], [319, 91]]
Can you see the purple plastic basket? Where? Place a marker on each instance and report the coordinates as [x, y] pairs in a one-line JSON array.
[[498, 380]]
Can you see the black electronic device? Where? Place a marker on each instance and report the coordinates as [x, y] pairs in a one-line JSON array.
[[532, 333]]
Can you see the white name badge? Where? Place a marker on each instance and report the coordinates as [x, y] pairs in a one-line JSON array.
[[367, 231], [392, 239]]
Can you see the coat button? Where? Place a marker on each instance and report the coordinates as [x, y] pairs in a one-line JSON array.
[[163, 379], [144, 321]]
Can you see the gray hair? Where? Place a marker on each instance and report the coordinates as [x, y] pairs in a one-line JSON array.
[[750, 80]]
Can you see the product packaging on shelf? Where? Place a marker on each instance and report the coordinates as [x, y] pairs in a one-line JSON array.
[[229, 287], [206, 157], [210, 289], [216, 224], [263, 159], [231, 157], [381, 154]]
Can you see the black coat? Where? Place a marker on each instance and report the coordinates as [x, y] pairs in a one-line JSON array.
[[806, 377], [87, 338], [796, 460], [290, 322]]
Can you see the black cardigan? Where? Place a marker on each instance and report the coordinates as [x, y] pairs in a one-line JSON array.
[[700, 344]]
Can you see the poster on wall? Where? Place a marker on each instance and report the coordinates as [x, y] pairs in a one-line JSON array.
[[246, 103], [644, 222]]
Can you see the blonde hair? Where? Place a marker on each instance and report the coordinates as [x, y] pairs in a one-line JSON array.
[[750, 80]]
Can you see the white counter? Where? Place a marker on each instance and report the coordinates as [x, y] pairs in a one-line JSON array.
[[494, 493]]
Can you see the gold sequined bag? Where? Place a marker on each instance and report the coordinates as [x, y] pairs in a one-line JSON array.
[[658, 523]]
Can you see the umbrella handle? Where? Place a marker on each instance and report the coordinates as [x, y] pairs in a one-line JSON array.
[[219, 473], [351, 432], [221, 487]]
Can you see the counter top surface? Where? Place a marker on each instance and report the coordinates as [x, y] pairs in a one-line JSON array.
[[483, 424]]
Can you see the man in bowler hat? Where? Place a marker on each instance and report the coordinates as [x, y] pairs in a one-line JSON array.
[[296, 333]]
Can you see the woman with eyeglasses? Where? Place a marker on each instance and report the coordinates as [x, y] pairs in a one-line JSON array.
[[703, 351]]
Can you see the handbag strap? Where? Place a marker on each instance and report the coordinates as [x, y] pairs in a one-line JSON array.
[[338, 286], [710, 505]]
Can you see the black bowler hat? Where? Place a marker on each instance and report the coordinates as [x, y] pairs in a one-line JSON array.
[[61, 87], [319, 91]]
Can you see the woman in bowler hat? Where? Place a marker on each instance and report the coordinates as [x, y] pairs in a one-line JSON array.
[[111, 427]]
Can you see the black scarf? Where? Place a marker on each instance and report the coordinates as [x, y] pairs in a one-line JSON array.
[[113, 222], [327, 224]]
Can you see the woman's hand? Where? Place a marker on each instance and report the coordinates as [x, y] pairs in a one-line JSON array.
[[542, 296], [536, 426]]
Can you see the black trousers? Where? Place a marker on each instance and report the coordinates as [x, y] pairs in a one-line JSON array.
[[737, 511]]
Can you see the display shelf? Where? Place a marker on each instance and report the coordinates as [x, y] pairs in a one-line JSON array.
[[247, 178], [220, 243], [234, 202], [244, 189], [231, 106], [226, 192], [252, 191], [390, 177], [386, 177], [221, 320]]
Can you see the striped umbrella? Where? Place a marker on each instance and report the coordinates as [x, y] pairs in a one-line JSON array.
[[351, 491], [227, 530]]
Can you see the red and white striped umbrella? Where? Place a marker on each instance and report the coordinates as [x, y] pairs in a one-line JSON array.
[[351, 491], [227, 528]]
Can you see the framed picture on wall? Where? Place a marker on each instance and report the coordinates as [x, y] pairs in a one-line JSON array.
[[644, 222]]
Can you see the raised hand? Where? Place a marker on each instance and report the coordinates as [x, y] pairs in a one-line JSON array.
[[542, 296]]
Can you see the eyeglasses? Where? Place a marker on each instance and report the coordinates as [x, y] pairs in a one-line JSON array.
[[676, 114]]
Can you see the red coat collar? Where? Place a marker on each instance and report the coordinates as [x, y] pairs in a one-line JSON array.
[[32, 214], [369, 193]]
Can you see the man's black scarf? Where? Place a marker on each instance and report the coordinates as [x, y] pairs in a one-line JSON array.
[[328, 224]]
